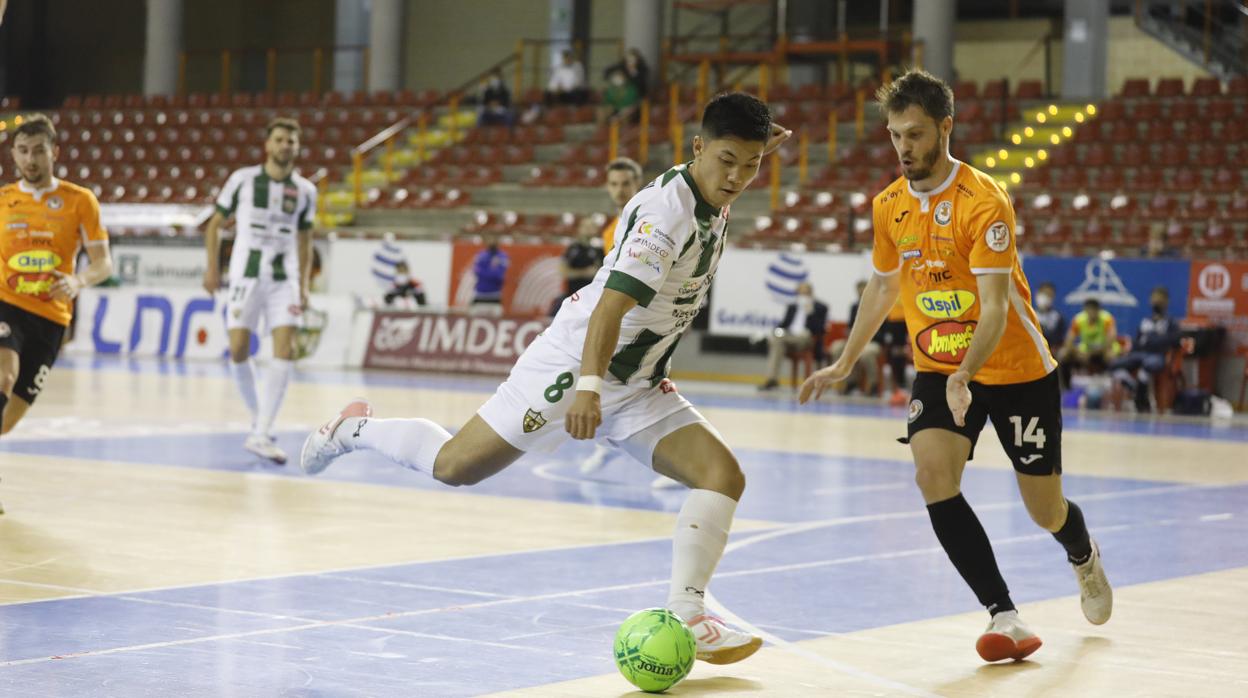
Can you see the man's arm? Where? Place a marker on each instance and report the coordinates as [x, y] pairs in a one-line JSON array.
[[99, 268], [212, 243], [994, 298], [601, 338], [305, 266]]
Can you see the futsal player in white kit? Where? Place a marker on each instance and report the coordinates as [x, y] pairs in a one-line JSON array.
[[601, 367], [274, 209]]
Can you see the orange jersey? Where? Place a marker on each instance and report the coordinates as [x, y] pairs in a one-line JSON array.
[[939, 241], [608, 235], [42, 231]]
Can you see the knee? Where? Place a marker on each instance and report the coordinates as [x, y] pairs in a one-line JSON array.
[[456, 472], [936, 483], [724, 476]]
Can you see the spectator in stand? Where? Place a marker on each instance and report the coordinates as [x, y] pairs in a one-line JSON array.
[[635, 69], [495, 102], [1157, 335], [490, 268], [1091, 343], [404, 286], [805, 321], [620, 99], [567, 81], [1052, 322], [869, 363]]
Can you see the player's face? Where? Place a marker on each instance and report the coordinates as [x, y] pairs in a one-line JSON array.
[[34, 156], [724, 167], [621, 186], [282, 146], [918, 140]]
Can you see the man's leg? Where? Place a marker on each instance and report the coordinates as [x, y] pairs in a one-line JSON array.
[[10, 366], [775, 355], [277, 377], [473, 454], [695, 455]]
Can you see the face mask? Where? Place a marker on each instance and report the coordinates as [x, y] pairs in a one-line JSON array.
[[1159, 308], [1044, 302]]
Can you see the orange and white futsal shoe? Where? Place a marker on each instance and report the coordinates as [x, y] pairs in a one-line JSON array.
[[720, 643], [321, 447], [1006, 638]]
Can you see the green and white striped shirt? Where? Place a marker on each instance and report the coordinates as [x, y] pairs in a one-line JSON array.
[[268, 214]]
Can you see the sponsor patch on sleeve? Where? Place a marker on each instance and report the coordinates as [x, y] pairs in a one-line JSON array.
[[998, 237]]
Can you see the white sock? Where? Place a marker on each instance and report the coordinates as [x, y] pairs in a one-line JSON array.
[[701, 534], [277, 375], [245, 378], [412, 443]]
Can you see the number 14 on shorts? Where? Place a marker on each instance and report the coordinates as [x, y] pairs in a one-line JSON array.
[[1032, 434]]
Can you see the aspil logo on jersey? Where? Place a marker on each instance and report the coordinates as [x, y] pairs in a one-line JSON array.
[[34, 261], [946, 342], [945, 304]]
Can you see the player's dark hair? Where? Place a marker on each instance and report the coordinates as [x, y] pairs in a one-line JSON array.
[[916, 87], [35, 125], [736, 114], [1092, 302], [282, 122], [1162, 290], [1047, 284], [625, 165]]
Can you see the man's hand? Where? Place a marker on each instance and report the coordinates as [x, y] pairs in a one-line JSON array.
[[584, 416], [66, 286], [823, 379], [958, 395], [212, 280], [779, 134]]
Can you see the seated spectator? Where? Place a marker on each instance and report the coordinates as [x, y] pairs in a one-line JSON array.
[[1157, 335], [802, 328], [1092, 341], [1052, 322], [636, 69], [869, 363], [620, 98], [490, 268], [567, 81], [495, 102], [404, 286]]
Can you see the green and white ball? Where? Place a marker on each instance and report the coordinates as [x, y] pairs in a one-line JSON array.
[[654, 649]]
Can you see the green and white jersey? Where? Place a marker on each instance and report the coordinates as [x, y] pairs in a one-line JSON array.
[[268, 215], [668, 243]]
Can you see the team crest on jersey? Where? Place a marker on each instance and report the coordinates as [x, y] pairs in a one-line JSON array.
[[55, 203], [998, 237], [944, 213], [916, 409], [533, 421]]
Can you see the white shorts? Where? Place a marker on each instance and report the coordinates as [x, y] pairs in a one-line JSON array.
[[528, 409], [249, 300]]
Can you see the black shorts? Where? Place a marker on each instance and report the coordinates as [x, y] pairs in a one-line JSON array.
[[37, 341], [1027, 417]]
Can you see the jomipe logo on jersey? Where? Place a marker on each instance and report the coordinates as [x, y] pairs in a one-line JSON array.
[[34, 273], [946, 342], [945, 305]]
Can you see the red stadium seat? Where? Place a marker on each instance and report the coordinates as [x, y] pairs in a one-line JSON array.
[[1146, 110], [1206, 87], [1225, 181], [1237, 86], [1186, 180], [1169, 87], [1029, 89], [1134, 87]]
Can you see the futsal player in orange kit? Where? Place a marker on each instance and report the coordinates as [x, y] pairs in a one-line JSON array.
[[945, 243], [44, 223]]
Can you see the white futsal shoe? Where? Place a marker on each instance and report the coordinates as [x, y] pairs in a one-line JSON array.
[[720, 643], [1095, 595], [265, 447], [1006, 638], [321, 448]]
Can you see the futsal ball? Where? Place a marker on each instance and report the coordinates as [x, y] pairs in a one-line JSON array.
[[654, 649]]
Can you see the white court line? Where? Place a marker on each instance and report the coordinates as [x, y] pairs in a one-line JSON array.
[[864, 488]]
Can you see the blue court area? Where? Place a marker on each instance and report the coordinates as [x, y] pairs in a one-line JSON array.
[[847, 546]]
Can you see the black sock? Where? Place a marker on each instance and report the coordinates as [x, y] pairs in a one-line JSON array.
[[966, 544], [1073, 535]]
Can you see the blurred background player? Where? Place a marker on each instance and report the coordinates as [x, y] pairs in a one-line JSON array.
[[623, 181], [601, 368], [44, 223], [978, 352], [274, 209], [1091, 341]]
